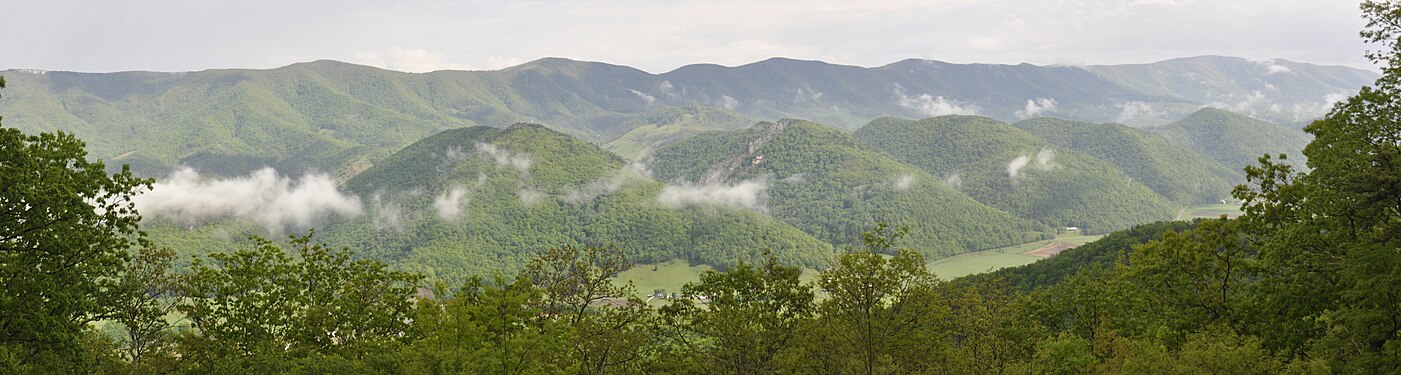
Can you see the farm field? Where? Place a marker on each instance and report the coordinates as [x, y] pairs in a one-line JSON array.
[[1231, 210], [671, 276], [1010, 256], [668, 276]]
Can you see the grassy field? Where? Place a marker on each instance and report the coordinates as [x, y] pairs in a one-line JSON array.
[[1209, 211], [992, 260], [671, 276]]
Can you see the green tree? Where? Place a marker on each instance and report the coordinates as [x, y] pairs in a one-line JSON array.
[[574, 281], [144, 297], [65, 227], [882, 315], [1328, 237], [1195, 278], [493, 327], [751, 314], [262, 307]]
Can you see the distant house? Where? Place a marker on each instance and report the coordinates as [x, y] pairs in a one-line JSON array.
[[1072, 229]]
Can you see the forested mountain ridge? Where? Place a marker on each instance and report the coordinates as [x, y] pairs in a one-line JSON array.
[[341, 117], [1176, 172], [1234, 140], [471, 200], [824, 182], [1011, 169]]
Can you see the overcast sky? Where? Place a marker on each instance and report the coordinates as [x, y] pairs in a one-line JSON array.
[[658, 36]]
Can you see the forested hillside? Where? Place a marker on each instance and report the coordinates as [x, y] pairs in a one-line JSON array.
[[1288, 92], [340, 118], [1171, 170], [1234, 140], [1008, 168], [827, 183], [473, 200]]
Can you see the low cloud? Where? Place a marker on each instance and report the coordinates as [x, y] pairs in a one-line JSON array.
[[796, 178], [503, 157], [954, 181], [1246, 104], [388, 214], [1305, 111], [1036, 107], [749, 194], [1273, 67], [604, 186], [1045, 160], [931, 106], [728, 102], [529, 196], [1136, 110], [455, 154], [806, 95], [904, 182], [264, 196], [667, 88], [414, 60], [646, 98], [1014, 167], [449, 204]]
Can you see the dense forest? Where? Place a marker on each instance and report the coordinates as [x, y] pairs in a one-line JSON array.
[[1232, 139], [830, 185], [1179, 174], [1304, 282], [1011, 169], [571, 192]]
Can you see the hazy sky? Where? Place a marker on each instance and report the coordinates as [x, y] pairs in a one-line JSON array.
[[658, 36]]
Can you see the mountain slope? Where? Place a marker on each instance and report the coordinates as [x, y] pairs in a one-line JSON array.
[[473, 200], [342, 118], [1279, 91], [829, 185], [666, 126], [1172, 171], [1010, 169], [1234, 140]]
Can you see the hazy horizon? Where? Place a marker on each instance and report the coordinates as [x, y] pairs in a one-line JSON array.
[[1366, 68], [434, 35]]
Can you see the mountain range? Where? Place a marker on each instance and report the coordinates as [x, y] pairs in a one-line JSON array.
[[342, 118], [455, 173]]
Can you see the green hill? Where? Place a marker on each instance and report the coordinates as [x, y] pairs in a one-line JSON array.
[[1234, 140], [1182, 175], [1010, 169], [473, 201], [829, 185]]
